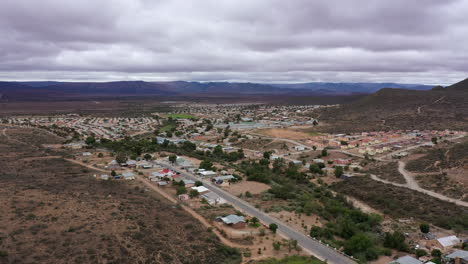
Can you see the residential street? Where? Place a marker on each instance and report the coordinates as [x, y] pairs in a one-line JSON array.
[[313, 247]]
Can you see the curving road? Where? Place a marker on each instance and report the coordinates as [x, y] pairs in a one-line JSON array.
[[308, 244], [413, 185]]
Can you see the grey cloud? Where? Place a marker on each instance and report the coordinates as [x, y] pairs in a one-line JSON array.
[[265, 41]]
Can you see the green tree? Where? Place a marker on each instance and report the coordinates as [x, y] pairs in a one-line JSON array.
[[100, 155], [121, 158], [181, 190], [147, 156], [324, 152], [276, 245], [338, 171], [193, 193], [198, 183], [113, 173], [273, 227], [420, 252], [436, 253], [314, 168], [168, 134], [424, 227], [395, 240], [206, 164], [90, 140], [358, 243], [267, 155], [172, 158]]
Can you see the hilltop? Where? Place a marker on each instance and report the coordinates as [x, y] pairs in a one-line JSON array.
[[387, 109]]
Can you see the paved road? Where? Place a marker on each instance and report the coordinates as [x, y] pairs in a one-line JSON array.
[[313, 247]]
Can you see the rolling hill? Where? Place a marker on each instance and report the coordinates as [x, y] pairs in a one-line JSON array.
[[47, 90], [387, 109]]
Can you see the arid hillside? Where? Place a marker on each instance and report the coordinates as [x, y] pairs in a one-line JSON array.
[[54, 211], [439, 108]]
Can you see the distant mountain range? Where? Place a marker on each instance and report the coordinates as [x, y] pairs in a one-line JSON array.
[[439, 108], [46, 90], [350, 88]]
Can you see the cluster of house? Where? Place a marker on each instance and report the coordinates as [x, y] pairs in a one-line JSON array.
[[109, 128], [165, 176], [448, 245], [456, 257], [374, 143]]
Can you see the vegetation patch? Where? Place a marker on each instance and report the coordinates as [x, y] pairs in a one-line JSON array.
[[401, 202]]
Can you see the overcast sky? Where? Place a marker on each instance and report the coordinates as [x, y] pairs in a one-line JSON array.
[[412, 41]]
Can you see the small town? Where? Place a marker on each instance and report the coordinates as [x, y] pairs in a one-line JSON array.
[[210, 163]]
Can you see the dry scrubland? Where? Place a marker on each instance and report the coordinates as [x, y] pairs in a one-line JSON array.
[[399, 202], [54, 211]]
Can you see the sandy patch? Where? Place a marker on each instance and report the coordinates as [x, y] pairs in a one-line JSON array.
[[302, 223], [247, 186], [284, 133]]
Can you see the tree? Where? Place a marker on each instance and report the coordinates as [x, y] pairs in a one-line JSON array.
[[254, 220], [193, 193], [121, 158], [267, 155], [424, 227], [276, 246], [172, 158], [357, 244], [436, 253], [218, 151], [147, 156], [100, 155], [168, 134], [90, 140], [420, 252], [181, 190], [314, 147], [314, 168], [206, 164], [395, 240], [273, 227], [113, 173], [324, 152], [434, 140], [198, 183], [338, 171]]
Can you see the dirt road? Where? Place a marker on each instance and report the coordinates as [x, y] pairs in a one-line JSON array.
[[413, 185]]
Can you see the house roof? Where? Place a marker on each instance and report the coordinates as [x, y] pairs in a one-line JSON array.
[[206, 173], [406, 260], [222, 178], [458, 254], [210, 196], [200, 189], [448, 241], [232, 219], [187, 181], [128, 174]]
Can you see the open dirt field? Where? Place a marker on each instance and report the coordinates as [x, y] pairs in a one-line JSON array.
[[54, 211], [247, 186], [288, 133]]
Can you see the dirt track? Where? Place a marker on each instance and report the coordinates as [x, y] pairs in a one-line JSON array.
[[413, 185]]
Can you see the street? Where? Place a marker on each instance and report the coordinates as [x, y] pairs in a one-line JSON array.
[[313, 247]]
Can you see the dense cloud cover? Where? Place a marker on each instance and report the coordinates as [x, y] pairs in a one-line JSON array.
[[239, 40]]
